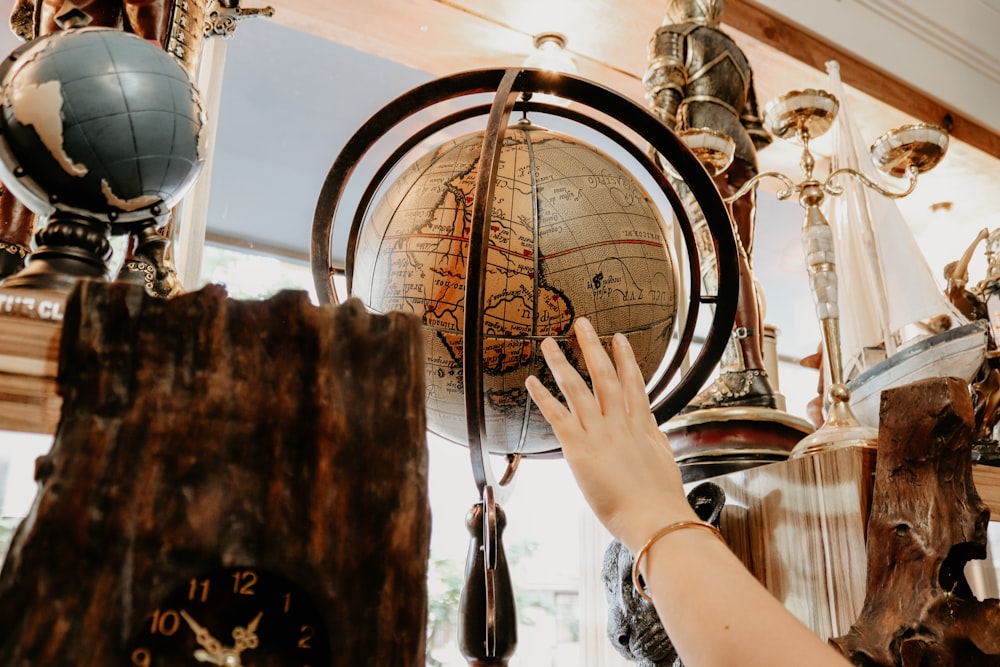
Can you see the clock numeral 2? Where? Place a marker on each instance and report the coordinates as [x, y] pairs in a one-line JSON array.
[[305, 636], [244, 581]]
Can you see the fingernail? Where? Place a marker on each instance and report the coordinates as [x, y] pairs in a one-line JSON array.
[[620, 340], [584, 324]]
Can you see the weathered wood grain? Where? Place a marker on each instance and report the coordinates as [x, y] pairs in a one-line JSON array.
[[927, 521], [799, 527], [201, 432]]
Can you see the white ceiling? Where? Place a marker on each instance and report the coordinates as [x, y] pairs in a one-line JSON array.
[[947, 49]]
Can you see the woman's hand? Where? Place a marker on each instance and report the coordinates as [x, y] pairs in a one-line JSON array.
[[621, 460]]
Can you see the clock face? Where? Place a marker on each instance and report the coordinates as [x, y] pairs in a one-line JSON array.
[[238, 617]]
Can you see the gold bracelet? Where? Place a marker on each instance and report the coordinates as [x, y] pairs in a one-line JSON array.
[[660, 533]]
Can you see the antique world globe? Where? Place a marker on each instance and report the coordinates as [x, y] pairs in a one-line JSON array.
[[502, 237], [571, 234], [98, 122]]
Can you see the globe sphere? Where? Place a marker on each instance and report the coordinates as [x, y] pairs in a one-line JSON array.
[[98, 122], [572, 234]]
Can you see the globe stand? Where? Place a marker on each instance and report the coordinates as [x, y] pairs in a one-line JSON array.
[[70, 246], [717, 441]]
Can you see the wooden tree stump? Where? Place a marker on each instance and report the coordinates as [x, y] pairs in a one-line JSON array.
[[927, 521], [203, 433]]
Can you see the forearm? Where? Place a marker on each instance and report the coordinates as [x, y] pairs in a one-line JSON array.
[[717, 613]]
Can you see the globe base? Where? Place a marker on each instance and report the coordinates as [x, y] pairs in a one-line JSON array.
[[70, 247]]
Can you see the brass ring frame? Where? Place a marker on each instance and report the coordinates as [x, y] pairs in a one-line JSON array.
[[508, 85]]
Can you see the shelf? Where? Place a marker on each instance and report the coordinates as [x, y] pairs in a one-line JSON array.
[[30, 329]]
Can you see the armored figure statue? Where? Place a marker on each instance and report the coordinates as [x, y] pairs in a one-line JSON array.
[[17, 225], [699, 78]]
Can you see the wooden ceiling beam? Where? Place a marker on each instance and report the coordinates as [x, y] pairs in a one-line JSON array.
[[774, 30]]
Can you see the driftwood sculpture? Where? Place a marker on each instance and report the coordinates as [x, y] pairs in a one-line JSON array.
[[200, 434], [927, 521]]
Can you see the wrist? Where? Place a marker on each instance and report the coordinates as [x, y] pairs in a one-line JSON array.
[[646, 524], [691, 529]]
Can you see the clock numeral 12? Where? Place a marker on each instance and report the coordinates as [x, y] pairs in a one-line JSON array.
[[244, 581]]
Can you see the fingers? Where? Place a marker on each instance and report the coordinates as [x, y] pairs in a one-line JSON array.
[[603, 375], [630, 376], [615, 391], [562, 421], [578, 396]]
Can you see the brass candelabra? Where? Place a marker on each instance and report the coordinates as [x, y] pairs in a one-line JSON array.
[[906, 151]]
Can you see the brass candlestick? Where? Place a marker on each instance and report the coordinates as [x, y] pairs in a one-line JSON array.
[[906, 151]]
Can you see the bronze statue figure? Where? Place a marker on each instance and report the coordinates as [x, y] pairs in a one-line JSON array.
[[149, 19], [17, 224], [699, 78]]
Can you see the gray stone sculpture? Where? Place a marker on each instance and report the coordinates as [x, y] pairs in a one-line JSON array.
[[633, 626]]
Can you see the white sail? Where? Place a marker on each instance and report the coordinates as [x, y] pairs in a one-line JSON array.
[[886, 285]]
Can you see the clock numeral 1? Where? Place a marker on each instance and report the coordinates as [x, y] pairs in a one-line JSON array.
[[165, 622], [288, 601], [244, 581], [198, 586], [306, 635]]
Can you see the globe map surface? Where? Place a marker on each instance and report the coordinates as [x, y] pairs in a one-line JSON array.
[[103, 120], [571, 234]]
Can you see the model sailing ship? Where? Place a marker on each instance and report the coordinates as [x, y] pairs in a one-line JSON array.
[[898, 325]]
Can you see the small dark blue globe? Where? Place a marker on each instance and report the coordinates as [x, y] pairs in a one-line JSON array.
[[98, 122]]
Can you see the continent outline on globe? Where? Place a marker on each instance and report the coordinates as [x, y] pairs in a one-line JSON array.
[[61, 90], [536, 283]]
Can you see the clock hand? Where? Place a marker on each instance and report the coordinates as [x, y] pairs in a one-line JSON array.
[[205, 656], [247, 637], [213, 648]]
